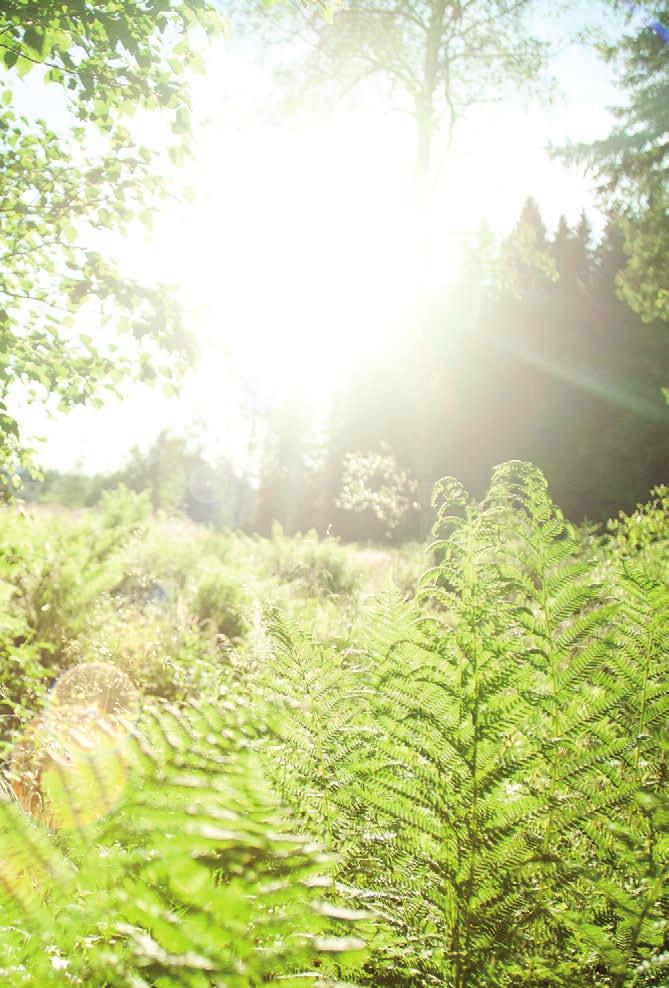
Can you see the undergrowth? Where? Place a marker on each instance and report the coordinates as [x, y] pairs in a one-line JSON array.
[[458, 781]]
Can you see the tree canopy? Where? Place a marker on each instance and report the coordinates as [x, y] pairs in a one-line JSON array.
[[434, 58], [65, 187]]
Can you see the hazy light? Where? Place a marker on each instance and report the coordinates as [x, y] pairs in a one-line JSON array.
[[302, 254], [68, 768]]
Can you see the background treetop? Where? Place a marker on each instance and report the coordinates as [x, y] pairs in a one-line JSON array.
[[632, 162], [436, 58]]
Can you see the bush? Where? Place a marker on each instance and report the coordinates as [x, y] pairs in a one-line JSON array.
[[221, 605], [320, 566]]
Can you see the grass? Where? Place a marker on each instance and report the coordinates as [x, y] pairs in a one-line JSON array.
[[170, 602]]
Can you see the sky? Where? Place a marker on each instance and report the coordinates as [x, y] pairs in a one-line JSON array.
[[295, 251]]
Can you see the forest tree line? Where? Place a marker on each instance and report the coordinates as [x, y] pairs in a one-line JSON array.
[[530, 354]]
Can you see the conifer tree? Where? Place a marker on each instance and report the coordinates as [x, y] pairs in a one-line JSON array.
[[632, 163], [527, 262], [571, 251]]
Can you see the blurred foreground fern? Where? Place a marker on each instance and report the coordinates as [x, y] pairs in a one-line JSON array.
[[195, 877]]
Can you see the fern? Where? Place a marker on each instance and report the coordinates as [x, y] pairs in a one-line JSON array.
[[634, 887], [465, 760], [476, 779], [195, 878]]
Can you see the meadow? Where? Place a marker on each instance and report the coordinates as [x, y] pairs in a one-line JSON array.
[[329, 764]]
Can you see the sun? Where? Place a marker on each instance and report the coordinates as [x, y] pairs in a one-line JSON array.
[[296, 259]]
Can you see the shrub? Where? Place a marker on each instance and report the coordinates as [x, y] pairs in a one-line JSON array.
[[320, 566], [221, 605]]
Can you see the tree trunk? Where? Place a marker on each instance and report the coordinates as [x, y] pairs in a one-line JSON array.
[[424, 128], [424, 99]]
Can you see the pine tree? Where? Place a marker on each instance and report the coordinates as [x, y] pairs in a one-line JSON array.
[[632, 164], [527, 264], [571, 251]]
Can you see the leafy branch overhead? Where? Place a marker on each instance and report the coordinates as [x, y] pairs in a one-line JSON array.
[[64, 189]]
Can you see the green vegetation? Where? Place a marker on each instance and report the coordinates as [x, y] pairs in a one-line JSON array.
[[632, 163], [255, 727], [343, 770], [64, 187]]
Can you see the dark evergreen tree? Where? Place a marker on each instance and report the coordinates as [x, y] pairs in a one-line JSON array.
[[585, 248], [610, 258], [526, 263], [571, 252], [632, 163]]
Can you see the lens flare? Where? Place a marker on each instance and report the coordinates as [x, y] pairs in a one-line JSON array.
[[98, 684], [69, 767]]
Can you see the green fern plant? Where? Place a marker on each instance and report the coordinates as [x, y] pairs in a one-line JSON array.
[[475, 778], [467, 758], [633, 886], [195, 878]]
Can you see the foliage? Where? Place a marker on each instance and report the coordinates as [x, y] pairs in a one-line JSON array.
[[173, 474], [50, 581], [65, 187], [221, 604], [489, 763], [482, 766], [434, 58], [194, 878], [647, 525], [319, 566], [374, 482], [172, 604], [527, 259], [632, 164]]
